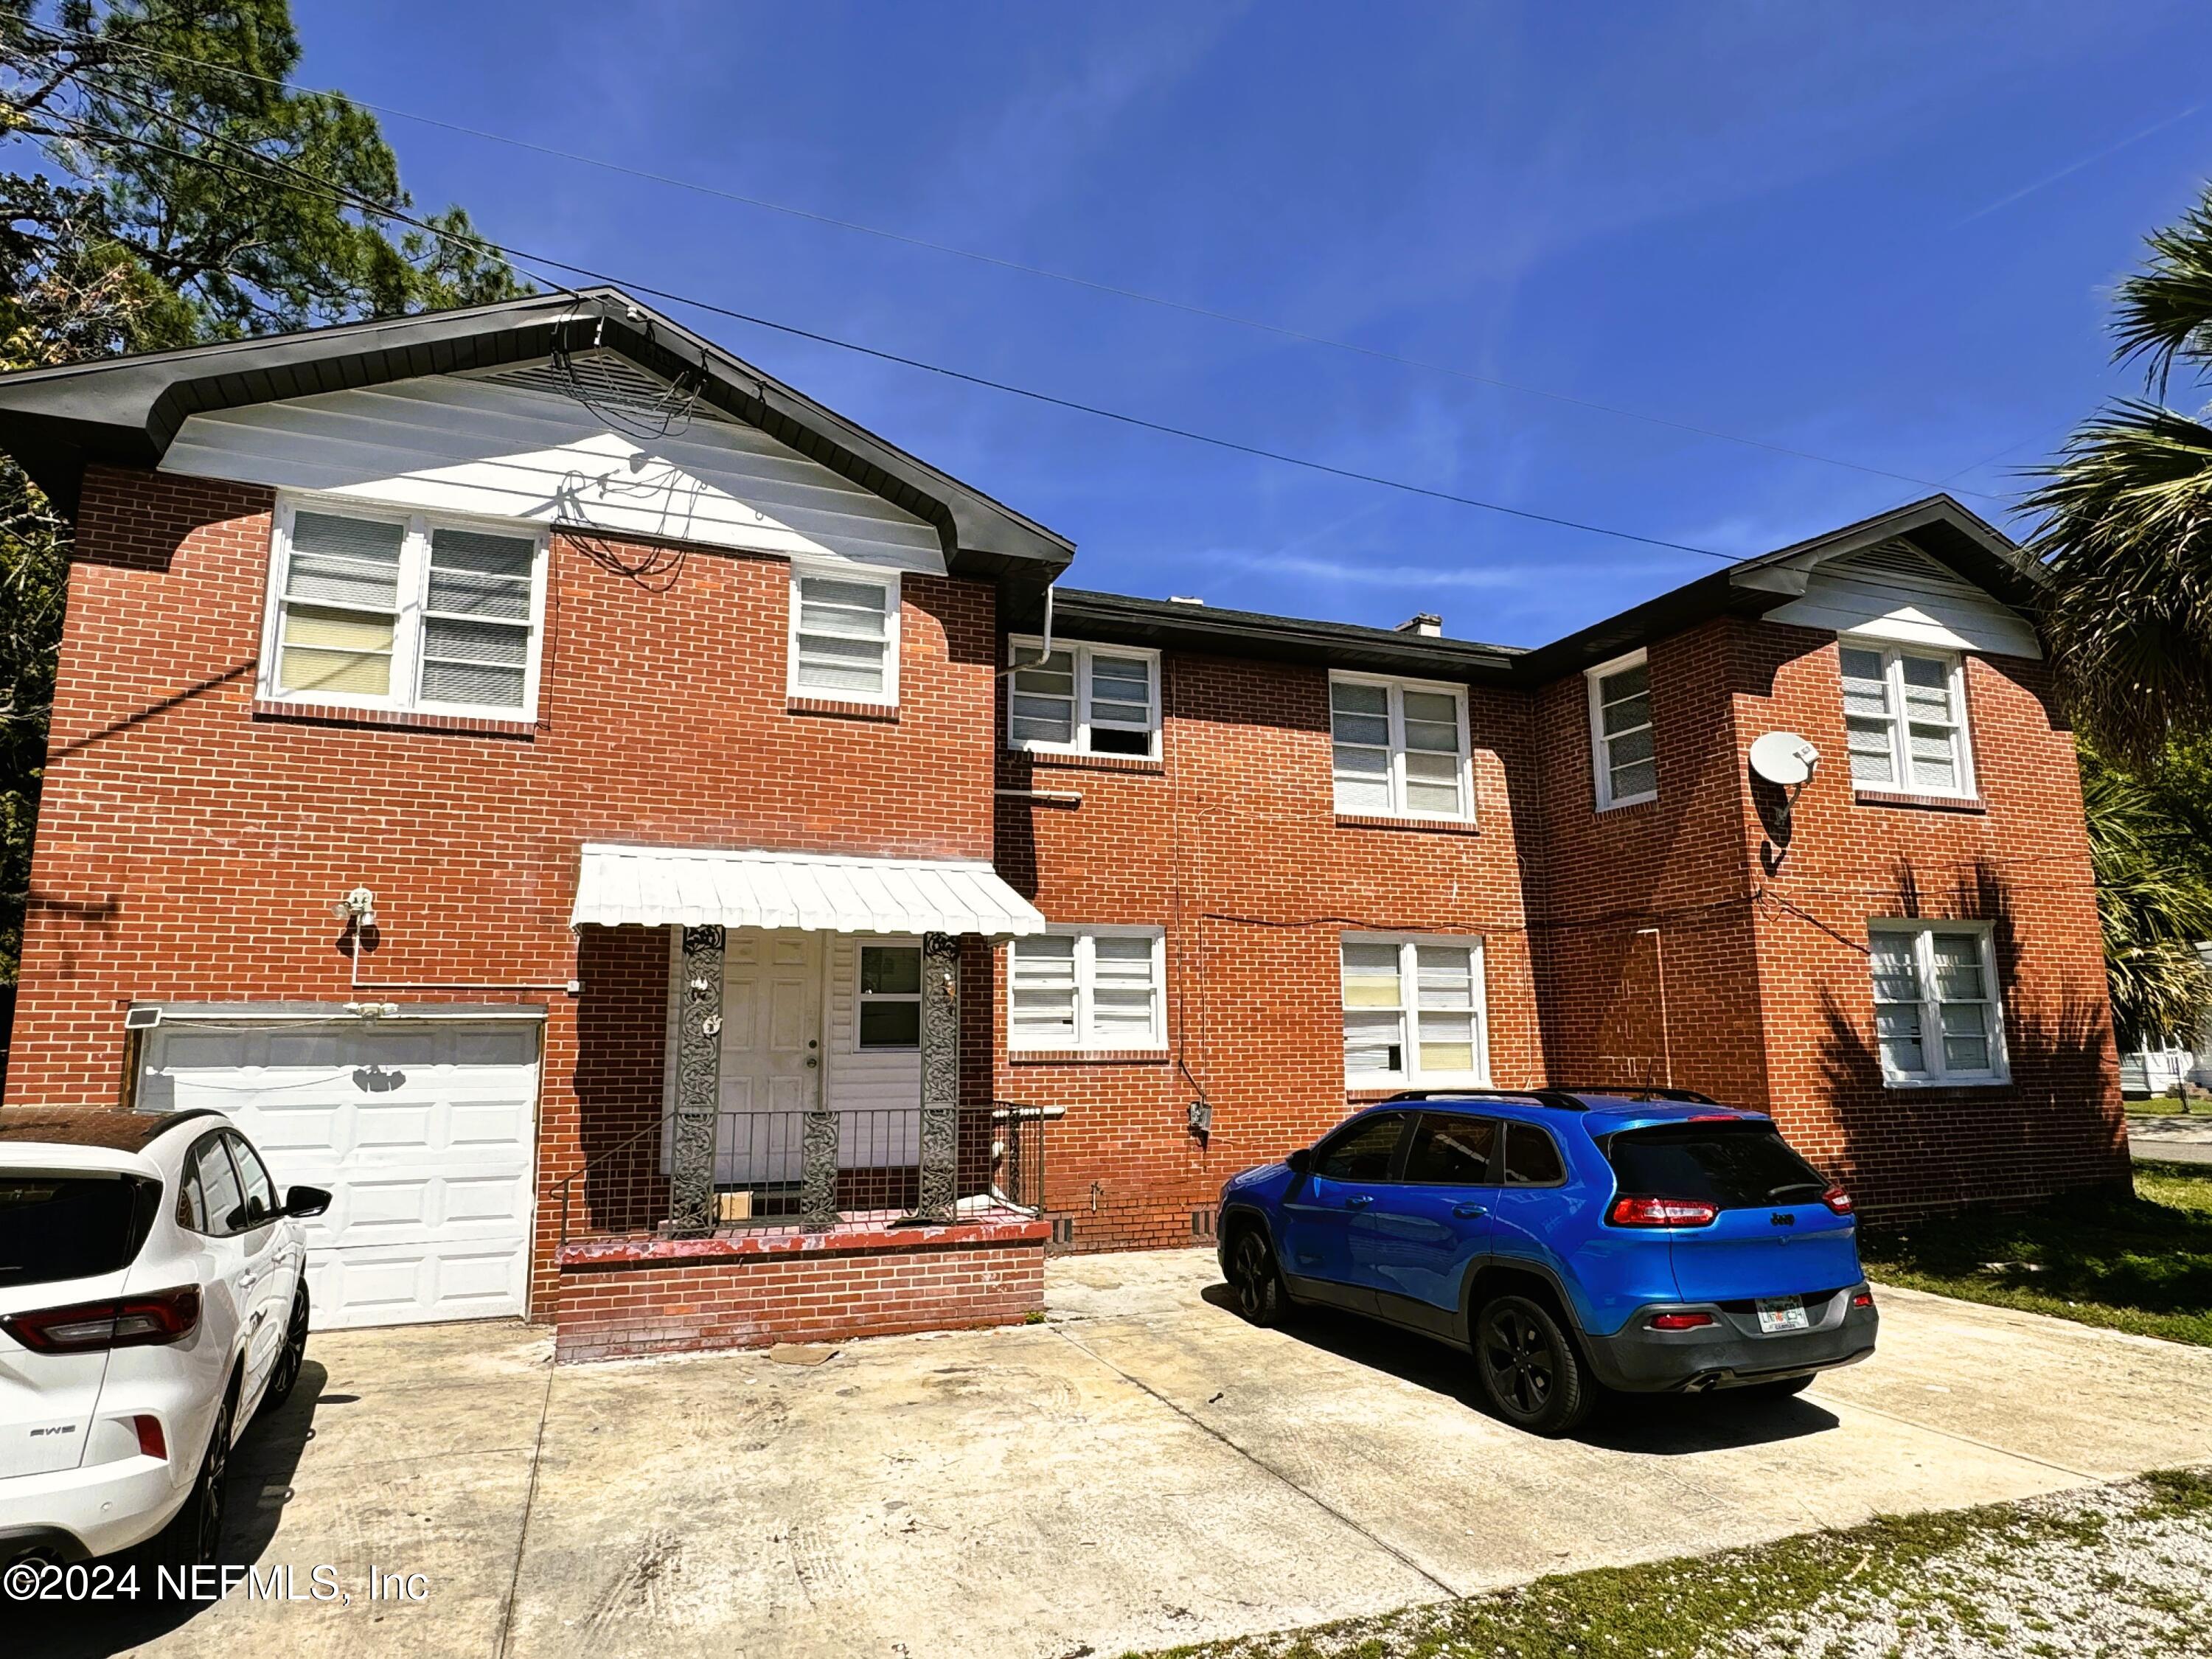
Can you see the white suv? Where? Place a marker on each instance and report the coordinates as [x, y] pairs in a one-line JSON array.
[[151, 1301]]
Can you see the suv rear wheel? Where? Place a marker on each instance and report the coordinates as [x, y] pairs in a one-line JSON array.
[[1529, 1370], [194, 1538], [290, 1357]]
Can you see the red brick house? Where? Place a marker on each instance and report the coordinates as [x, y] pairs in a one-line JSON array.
[[624, 828]]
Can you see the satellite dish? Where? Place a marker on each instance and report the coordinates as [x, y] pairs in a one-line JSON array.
[[1784, 758]]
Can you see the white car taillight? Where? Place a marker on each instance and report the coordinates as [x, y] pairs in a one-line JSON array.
[[129, 1322]]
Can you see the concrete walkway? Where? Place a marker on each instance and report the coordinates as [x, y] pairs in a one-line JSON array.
[[1145, 1469], [2171, 1139]]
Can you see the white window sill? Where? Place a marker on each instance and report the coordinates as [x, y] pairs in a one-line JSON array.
[[1946, 1082], [1629, 800]]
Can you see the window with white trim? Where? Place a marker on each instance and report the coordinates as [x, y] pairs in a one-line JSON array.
[[1100, 989], [1400, 747], [844, 636], [889, 997], [1936, 1012], [1083, 700], [1623, 756], [375, 609], [1905, 713], [1414, 1010]]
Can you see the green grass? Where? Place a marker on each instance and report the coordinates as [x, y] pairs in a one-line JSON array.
[[2142, 1264], [2167, 1106], [1682, 1609]]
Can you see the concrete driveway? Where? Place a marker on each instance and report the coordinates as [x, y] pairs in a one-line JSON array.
[[1144, 1469]]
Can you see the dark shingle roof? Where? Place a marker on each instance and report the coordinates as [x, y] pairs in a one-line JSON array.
[[1938, 524]]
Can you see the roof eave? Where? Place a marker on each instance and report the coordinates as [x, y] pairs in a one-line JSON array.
[[126, 410], [1208, 629], [1955, 536]]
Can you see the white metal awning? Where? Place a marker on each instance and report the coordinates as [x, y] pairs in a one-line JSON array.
[[694, 887]]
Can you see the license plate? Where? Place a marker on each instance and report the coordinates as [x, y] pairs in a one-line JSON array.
[[1782, 1314]]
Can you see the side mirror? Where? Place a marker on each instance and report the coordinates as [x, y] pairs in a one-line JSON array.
[[306, 1202], [1301, 1161]]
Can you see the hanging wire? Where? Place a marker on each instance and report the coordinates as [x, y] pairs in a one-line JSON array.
[[624, 398]]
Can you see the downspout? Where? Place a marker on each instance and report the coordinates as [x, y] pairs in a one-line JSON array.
[[1044, 651]]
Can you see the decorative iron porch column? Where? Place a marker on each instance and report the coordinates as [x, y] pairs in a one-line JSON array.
[[691, 1205], [817, 1167], [940, 1076]]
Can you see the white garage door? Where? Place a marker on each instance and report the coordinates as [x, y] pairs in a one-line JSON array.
[[422, 1129]]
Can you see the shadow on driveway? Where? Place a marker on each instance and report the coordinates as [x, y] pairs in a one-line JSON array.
[[1650, 1424], [262, 1465]]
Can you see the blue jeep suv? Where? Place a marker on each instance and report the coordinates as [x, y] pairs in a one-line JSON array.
[[1571, 1238]]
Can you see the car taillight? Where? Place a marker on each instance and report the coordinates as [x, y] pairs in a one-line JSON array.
[[151, 1441], [1662, 1213], [1862, 1299], [130, 1321], [1837, 1200], [1680, 1322]]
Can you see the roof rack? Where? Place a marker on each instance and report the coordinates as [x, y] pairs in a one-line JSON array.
[[1643, 1092], [1565, 1098], [1560, 1100]]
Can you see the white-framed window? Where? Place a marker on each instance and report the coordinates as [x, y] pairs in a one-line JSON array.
[[373, 607], [844, 641], [1092, 988], [1083, 700], [1906, 711], [889, 997], [1400, 747], [1937, 1014], [1414, 1010], [1625, 764]]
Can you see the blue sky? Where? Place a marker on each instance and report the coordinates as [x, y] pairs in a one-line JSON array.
[[1882, 234]]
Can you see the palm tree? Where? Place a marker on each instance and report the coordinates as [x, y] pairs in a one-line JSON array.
[[2147, 845], [2127, 519]]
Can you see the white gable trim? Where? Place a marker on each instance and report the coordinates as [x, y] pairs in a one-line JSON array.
[[474, 445], [1896, 593]]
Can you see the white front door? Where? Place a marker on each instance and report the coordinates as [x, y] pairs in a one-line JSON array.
[[771, 1060], [423, 1131]]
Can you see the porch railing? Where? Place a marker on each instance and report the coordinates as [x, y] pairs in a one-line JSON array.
[[764, 1178]]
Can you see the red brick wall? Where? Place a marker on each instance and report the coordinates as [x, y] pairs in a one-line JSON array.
[[2021, 862], [191, 848], [600, 1099], [1767, 1001], [1622, 894], [1232, 846], [968, 1277]]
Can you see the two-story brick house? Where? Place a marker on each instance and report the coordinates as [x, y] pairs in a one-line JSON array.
[[626, 829]]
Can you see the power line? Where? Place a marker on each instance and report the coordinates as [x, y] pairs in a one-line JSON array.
[[1138, 295], [310, 185]]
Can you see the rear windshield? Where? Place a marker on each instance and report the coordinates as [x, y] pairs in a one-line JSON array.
[[1736, 1166], [71, 1226]]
